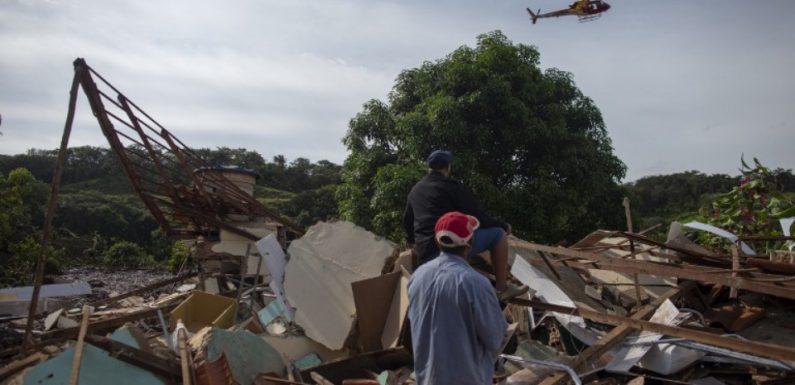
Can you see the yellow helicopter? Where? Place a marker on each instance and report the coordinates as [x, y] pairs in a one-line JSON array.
[[585, 10]]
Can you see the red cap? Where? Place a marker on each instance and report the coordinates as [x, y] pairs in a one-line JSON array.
[[455, 229]]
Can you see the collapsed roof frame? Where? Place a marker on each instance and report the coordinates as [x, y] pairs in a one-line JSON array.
[[163, 170], [170, 178], [745, 279]]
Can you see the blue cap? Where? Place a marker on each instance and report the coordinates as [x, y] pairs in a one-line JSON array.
[[440, 159]]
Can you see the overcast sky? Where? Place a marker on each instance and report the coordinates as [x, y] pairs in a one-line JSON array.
[[681, 84]]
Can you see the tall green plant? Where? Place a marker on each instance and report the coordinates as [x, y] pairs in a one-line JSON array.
[[753, 207]]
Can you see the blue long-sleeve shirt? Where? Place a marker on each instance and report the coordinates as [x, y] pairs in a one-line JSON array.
[[456, 323]]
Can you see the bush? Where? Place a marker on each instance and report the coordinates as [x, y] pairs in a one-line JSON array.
[[179, 252], [128, 255], [20, 266]]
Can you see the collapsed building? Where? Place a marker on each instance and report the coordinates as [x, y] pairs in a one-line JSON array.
[[271, 303]]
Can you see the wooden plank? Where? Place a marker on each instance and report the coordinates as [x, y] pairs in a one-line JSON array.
[[51, 205], [684, 271], [628, 214], [78, 357], [183, 357], [735, 267], [144, 289], [320, 380], [761, 349], [602, 345], [20, 364], [549, 265], [58, 335], [167, 368]]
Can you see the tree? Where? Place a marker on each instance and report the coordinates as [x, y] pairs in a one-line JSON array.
[[22, 199], [528, 142]]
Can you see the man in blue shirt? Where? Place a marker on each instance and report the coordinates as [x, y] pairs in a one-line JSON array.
[[457, 326]]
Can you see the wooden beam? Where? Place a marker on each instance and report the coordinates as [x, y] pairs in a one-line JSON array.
[[183, 357], [144, 289], [761, 349], [549, 265], [628, 214], [51, 204], [615, 336], [18, 365], [77, 359], [735, 267], [684, 271], [167, 368], [59, 335]]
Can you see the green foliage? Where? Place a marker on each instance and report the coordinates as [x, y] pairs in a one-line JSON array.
[[751, 208], [310, 206], [111, 216], [528, 142], [22, 199], [394, 183], [20, 263], [664, 198], [128, 255], [178, 255], [160, 246]]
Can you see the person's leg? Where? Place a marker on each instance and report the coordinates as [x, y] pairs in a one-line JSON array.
[[499, 258], [495, 241]]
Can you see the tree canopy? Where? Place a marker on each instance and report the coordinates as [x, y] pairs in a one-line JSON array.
[[532, 147]]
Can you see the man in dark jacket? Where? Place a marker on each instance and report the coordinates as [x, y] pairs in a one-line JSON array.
[[437, 194]]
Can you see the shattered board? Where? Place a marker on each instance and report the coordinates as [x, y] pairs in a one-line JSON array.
[[628, 356], [323, 264], [530, 270]]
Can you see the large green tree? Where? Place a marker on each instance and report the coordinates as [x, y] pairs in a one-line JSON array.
[[532, 147]]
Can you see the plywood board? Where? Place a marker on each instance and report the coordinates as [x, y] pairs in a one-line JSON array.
[[397, 314], [323, 264], [373, 299]]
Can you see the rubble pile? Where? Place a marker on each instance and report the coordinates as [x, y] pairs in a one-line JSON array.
[[615, 308]]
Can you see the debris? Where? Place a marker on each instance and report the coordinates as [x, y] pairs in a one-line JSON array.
[[203, 309], [16, 300], [246, 354], [97, 366], [381, 306], [629, 356], [323, 265], [616, 307], [25, 293]]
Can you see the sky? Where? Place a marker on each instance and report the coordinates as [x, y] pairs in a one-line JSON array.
[[681, 84]]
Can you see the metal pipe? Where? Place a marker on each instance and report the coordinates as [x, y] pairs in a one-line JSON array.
[[551, 364]]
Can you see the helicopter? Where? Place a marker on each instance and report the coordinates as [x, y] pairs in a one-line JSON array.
[[585, 10]]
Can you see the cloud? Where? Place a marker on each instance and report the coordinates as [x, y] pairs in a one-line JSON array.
[[285, 76]]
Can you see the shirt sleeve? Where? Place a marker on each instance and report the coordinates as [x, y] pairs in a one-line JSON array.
[[408, 223], [489, 321]]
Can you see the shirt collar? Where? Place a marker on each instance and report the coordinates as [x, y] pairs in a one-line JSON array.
[[453, 258]]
